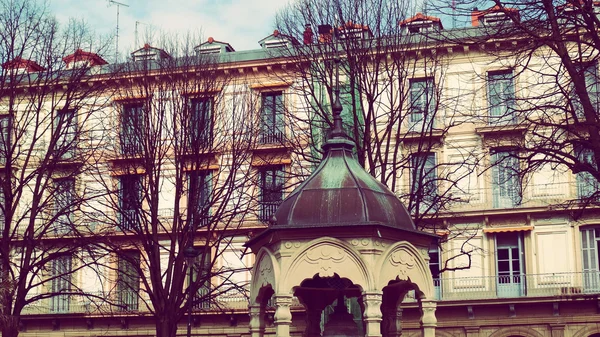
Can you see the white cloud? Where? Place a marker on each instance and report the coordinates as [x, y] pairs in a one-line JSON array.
[[242, 23]]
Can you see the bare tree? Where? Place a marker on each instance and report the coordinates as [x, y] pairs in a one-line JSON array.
[[45, 136], [549, 50], [392, 81], [180, 184]]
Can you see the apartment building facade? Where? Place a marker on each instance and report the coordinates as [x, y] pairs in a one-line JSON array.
[[519, 254]]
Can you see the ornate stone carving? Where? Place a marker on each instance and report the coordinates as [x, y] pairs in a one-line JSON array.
[[282, 312], [325, 257], [403, 260], [428, 318]]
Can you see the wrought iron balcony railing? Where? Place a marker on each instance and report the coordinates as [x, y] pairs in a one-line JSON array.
[[532, 286]]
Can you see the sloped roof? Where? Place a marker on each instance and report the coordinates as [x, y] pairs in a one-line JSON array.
[[80, 55], [21, 63]]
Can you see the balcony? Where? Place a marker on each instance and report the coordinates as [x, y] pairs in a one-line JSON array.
[[129, 220], [267, 210], [528, 286], [126, 301], [535, 195], [269, 136], [522, 285]]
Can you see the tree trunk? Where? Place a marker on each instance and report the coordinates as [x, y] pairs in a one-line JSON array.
[[165, 327], [10, 326]]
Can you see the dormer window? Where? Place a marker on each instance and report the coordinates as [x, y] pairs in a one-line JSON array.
[[421, 23], [149, 53], [494, 19], [82, 58], [354, 31], [276, 40], [494, 16], [211, 46]]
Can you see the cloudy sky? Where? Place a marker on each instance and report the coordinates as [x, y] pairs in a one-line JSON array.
[[242, 23]]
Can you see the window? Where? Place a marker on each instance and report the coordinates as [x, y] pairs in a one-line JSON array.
[[199, 188], [61, 284], [591, 83], [5, 139], [63, 205], [132, 128], [200, 123], [128, 281], [590, 237], [272, 126], [201, 275], [130, 199], [422, 105], [501, 98], [423, 181], [587, 184], [509, 263], [65, 127], [434, 267], [271, 191], [506, 184]]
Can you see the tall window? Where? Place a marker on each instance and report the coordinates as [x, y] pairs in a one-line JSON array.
[[61, 284], [130, 201], [509, 263], [423, 181], [201, 123], [199, 188], [587, 184], [422, 104], [271, 191], [201, 279], [63, 207], [590, 237], [132, 128], [5, 139], [128, 281], [272, 125], [501, 98], [65, 127], [434, 267], [590, 74], [506, 183]]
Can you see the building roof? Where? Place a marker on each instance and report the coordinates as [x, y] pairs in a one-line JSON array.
[[277, 40], [21, 63], [341, 193], [477, 15], [80, 55], [149, 52], [420, 17], [212, 45]]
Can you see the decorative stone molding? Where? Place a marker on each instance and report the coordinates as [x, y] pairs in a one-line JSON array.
[[404, 261], [428, 318], [282, 311], [326, 257], [263, 274], [517, 330], [257, 324], [372, 315], [283, 315]]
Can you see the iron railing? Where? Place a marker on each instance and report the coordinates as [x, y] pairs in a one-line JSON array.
[[267, 210], [556, 285], [535, 194]]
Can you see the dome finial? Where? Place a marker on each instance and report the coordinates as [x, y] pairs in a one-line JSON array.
[[337, 131]]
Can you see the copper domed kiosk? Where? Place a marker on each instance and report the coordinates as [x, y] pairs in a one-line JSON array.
[[341, 236]]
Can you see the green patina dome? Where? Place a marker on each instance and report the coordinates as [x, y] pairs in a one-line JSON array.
[[341, 193]]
